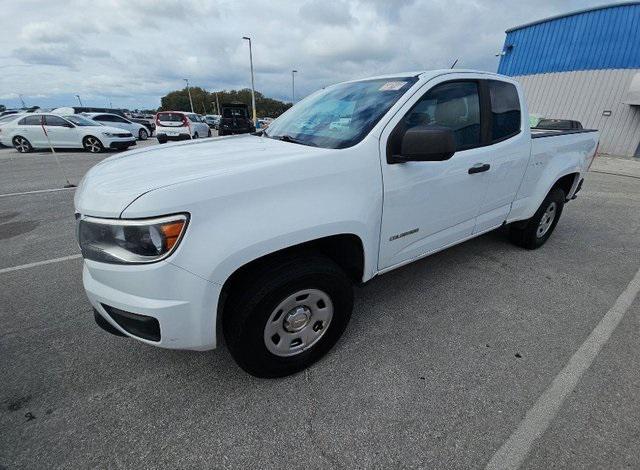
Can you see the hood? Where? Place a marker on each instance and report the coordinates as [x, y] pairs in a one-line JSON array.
[[110, 186]]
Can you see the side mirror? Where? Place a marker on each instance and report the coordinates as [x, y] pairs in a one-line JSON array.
[[426, 144]]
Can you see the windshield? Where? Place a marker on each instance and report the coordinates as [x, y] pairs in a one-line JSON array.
[[339, 116], [81, 121]]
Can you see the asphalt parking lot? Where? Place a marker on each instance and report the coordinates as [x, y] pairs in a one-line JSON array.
[[443, 361]]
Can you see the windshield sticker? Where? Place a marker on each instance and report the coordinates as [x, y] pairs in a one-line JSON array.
[[392, 86]]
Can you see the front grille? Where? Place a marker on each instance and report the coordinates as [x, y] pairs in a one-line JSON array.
[[142, 326], [123, 134]]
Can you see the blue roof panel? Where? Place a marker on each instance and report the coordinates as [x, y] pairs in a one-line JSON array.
[[603, 38]]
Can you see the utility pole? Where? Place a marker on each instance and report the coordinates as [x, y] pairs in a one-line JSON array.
[[79, 100], [253, 91], [189, 92], [217, 104], [293, 86], [204, 105]]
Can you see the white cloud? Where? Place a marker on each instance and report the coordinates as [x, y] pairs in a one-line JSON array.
[[138, 50]]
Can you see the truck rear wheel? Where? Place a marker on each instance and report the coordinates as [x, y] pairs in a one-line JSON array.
[[286, 316], [534, 232]]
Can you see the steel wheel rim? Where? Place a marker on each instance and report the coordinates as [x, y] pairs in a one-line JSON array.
[[21, 145], [298, 322], [143, 134], [93, 145], [547, 220]]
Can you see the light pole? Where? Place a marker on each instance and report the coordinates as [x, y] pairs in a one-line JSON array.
[[189, 92], [253, 92], [79, 100], [217, 104], [293, 86]]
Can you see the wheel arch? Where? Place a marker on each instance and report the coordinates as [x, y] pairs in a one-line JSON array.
[[566, 183], [85, 137], [346, 250]]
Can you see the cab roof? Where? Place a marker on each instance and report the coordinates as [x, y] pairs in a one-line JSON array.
[[423, 74]]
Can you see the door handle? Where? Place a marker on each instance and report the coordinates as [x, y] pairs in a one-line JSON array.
[[479, 168]]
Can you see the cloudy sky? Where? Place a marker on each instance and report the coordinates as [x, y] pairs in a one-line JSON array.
[[132, 52]]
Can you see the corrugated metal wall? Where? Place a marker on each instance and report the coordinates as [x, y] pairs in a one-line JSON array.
[[606, 38], [585, 96]]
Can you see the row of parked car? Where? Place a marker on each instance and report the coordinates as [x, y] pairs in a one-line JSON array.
[[97, 129], [26, 132]]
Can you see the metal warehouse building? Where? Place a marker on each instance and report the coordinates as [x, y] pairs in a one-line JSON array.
[[584, 65]]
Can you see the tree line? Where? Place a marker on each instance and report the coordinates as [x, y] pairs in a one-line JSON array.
[[204, 102]]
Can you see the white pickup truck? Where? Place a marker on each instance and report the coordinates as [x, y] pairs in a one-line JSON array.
[[259, 239]]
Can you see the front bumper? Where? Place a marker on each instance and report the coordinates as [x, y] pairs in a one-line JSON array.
[[232, 131], [184, 305], [121, 144]]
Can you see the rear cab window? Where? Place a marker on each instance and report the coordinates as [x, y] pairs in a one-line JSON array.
[[505, 110]]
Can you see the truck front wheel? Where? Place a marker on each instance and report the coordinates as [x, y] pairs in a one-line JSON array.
[[286, 316], [534, 232]]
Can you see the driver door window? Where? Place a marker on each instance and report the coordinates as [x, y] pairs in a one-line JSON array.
[[454, 105]]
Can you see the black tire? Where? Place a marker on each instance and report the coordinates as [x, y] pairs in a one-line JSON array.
[[529, 233], [143, 134], [161, 140], [250, 307], [221, 133], [195, 136], [92, 144], [22, 144], [209, 133]]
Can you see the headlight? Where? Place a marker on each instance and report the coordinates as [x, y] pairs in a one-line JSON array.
[[134, 241], [109, 134]]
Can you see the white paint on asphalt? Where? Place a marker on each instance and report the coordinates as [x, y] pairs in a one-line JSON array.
[[38, 263], [37, 191], [514, 451]]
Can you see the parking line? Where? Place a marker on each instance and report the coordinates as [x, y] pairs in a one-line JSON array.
[[37, 192], [38, 263], [515, 450]]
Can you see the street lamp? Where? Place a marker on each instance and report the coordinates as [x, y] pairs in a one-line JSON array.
[[253, 92], [293, 86], [189, 92], [79, 100]]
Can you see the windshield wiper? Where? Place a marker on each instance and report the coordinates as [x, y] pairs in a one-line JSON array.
[[293, 140]]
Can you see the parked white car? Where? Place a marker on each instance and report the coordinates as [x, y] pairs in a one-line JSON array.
[[113, 120], [178, 125], [259, 239], [39, 130]]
